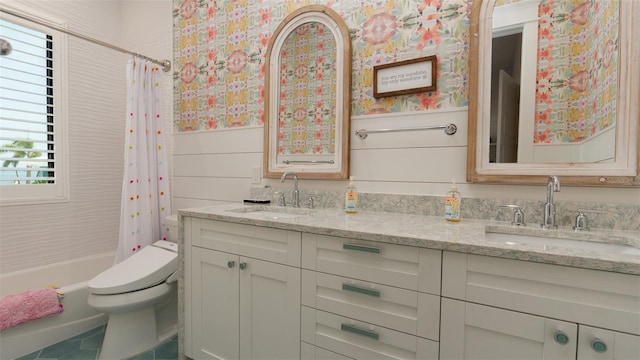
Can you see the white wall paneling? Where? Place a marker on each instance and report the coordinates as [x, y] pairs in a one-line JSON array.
[[215, 166], [236, 165], [412, 138], [211, 188], [236, 140]]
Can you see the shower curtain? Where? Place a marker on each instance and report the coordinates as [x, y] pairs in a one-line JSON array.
[[145, 186]]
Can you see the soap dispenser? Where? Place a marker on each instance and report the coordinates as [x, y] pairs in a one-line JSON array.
[[452, 203], [351, 197]]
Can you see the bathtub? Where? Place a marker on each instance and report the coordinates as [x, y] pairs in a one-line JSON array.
[[78, 317]]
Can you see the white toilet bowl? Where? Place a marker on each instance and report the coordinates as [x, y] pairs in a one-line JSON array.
[[139, 295]]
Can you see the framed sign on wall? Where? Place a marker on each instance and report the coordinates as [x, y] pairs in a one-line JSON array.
[[405, 77]]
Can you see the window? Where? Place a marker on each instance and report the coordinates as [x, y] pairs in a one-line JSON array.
[[32, 150]]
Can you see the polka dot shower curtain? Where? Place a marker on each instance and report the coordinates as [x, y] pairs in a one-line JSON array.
[[145, 186]]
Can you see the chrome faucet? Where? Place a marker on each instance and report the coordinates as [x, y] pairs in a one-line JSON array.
[[296, 193], [549, 219]]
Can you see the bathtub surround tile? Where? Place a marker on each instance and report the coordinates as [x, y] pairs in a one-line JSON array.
[[614, 217]]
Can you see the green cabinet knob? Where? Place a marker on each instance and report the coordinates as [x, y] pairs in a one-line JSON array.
[[231, 264], [598, 345], [243, 266], [561, 338]]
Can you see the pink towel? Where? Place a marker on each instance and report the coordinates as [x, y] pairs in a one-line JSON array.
[[27, 306]]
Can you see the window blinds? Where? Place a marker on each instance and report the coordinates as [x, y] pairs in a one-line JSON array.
[[27, 124]]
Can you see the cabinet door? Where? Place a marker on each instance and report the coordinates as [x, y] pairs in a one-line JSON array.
[[600, 344], [215, 305], [269, 310], [472, 331]]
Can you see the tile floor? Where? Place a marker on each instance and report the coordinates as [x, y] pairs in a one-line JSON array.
[[86, 346]]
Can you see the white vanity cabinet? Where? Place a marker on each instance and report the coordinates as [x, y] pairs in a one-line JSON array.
[[369, 300], [507, 309], [242, 291], [255, 292]]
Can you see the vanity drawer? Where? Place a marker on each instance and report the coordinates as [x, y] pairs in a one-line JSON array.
[[275, 245], [597, 298], [362, 340], [389, 264], [399, 309], [311, 352]]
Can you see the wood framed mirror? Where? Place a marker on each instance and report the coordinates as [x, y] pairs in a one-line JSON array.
[[308, 96], [554, 89]]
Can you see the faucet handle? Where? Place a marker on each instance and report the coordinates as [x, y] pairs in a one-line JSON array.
[[518, 214], [581, 222], [310, 203], [281, 200]]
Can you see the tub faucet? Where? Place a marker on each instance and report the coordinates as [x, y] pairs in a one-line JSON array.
[[296, 193], [549, 219]]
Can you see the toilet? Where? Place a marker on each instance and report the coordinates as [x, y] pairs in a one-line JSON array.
[[139, 295]]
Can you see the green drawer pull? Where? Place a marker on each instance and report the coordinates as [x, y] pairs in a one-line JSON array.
[[561, 338], [360, 290], [598, 345], [361, 248], [352, 329]]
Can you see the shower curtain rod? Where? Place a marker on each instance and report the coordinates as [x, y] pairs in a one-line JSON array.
[[166, 64]]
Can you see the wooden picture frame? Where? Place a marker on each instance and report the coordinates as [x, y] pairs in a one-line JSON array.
[[405, 77]]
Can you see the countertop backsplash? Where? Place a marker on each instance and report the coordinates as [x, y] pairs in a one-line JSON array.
[[624, 217]]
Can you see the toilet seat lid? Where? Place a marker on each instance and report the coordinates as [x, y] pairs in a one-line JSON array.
[[150, 266]]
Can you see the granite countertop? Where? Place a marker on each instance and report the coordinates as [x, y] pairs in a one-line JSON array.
[[467, 236]]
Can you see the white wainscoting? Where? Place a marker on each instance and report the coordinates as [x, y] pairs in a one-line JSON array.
[[215, 166], [426, 156]]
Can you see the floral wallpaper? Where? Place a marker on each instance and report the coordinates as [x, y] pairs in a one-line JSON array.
[[306, 113], [220, 48], [577, 84]]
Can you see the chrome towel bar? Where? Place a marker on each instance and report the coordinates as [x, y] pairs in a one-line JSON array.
[[308, 162], [449, 129]]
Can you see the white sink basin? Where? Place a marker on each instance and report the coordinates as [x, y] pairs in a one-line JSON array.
[[549, 242], [272, 212]]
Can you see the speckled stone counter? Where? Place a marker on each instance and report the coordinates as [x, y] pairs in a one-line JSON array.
[[432, 232]]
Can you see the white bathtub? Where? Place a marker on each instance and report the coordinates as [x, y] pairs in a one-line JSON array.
[[78, 317]]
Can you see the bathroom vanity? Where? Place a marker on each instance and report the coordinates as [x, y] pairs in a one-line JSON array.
[[268, 282]]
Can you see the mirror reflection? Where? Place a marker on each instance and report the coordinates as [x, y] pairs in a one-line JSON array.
[[306, 113], [307, 99], [554, 81]]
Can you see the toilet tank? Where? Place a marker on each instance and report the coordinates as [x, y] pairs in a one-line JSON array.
[[172, 224]]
